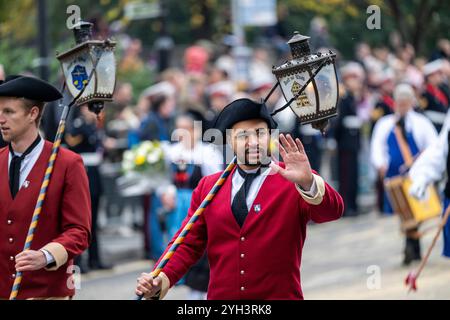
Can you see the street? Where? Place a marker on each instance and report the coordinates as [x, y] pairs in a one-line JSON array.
[[359, 249]]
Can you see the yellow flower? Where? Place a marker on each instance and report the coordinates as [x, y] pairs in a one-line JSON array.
[[140, 160]]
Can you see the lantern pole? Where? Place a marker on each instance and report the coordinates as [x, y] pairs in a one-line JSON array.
[[45, 183]]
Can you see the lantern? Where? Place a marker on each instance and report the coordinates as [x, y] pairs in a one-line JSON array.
[[309, 83], [89, 68]]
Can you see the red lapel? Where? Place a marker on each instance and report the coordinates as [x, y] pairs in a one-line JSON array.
[[35, 178], [5, 194]]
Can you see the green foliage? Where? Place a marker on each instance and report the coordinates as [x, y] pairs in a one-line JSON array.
[[421, 23]]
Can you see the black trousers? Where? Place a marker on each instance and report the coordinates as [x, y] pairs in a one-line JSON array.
[[348, 179]]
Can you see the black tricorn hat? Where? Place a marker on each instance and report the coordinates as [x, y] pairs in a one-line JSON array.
[[241, 110], [28, 88]]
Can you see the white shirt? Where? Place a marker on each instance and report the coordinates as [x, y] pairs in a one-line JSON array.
[[237, 182], [26, 166], [422, 130]]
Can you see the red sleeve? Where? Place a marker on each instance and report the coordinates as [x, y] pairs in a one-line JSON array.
[[76, 210], [331, 208], [194, 244]]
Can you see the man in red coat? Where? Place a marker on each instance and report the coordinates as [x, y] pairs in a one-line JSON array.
[[63, 230], [255, 228]]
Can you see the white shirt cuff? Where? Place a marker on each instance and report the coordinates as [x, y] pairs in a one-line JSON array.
[[50, 259], [312, 192]]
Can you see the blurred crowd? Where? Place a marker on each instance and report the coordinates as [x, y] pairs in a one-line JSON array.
[[354, 154]]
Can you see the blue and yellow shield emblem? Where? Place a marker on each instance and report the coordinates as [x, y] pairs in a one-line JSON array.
[[79, 77]]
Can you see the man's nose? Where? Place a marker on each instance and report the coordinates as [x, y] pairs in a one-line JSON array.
[[252, 140]]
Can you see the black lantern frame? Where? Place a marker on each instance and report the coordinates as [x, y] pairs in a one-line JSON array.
[[314, 73]]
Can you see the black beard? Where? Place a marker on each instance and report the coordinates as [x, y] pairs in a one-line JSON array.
[[263, 159]]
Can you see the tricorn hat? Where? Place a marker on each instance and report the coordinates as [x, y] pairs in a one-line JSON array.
[[241, 110], [28, 88]]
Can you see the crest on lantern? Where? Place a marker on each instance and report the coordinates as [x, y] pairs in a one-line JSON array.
[[89, 58], [309, 82]]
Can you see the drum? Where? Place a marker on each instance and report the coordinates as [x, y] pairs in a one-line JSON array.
[[411, 210]]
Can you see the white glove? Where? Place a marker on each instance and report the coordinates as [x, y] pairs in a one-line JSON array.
[[418, 189]]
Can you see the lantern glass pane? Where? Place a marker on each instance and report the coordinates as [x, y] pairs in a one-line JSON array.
[[77, 69], [305, 103], [327, 86], [106, 73]]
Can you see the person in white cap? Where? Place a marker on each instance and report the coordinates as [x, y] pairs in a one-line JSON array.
[[436, 97], [392, 133], [431, 167]]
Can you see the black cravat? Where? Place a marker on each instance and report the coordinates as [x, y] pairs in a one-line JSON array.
[[239, 205], [14, 167]]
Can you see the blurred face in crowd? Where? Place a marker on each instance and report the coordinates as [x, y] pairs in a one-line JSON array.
[[217, 75], [124, 94], [387, 86], [403, 105], [218, 102], [363, 51], [175, 77], [381, 53], [435, 78], [250, 140], [407, 54], [167, 108], [16, 119], [186, 132], [353, 83]]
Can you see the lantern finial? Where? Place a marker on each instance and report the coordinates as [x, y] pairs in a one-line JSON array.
[[299, 45], [82, 31]]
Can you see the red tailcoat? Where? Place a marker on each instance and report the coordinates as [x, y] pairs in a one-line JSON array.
[[65, 219], [262, 259]]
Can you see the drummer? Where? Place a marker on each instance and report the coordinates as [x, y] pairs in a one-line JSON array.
[[405, 129]]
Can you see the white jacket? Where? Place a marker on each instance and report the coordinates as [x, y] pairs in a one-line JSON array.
[[431, 165], [422, 129]]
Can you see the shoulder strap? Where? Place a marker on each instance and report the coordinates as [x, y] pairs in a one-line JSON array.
[[404, 147]]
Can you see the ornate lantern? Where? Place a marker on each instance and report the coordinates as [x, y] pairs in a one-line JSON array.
[[309, 83], [89, 68]]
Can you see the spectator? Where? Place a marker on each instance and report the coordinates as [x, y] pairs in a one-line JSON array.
[[397, 139], [347, 133]]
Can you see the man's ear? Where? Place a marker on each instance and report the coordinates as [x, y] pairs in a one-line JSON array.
[[34, 113]]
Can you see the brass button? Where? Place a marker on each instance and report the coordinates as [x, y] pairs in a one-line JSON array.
[[11, 240], [242, 239], [9, 222], [242, 288], [242, 255], [242, 271], [13, 276], [11, 258]]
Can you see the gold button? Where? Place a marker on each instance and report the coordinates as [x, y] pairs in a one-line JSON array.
[[242, 255], [11, 258], [242, 239], [9, 222], [242, 271], [242, 288], [10, 240], [13, 276]]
